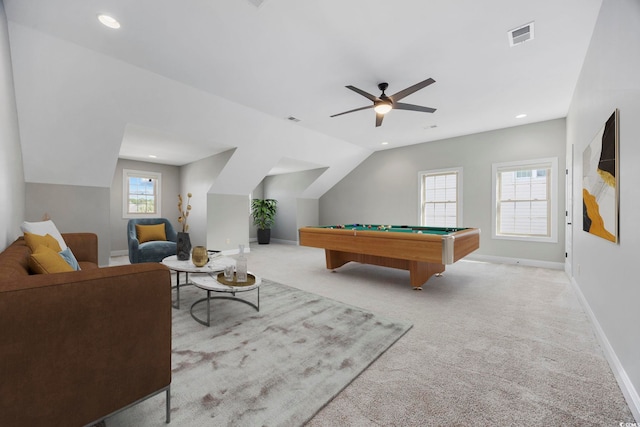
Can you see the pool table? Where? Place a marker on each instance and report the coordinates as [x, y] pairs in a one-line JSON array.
[[424, 251]]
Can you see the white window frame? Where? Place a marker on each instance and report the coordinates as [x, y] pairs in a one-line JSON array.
[[130, 173], [454, 170], [548, 162]]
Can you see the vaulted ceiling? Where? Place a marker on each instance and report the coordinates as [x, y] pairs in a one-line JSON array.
[[183, 80]]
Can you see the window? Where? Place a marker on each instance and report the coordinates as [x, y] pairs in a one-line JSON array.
[[440, 204], [524, 201], [140, 194]]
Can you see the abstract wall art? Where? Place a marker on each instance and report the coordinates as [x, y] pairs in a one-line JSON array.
[[600, 182]]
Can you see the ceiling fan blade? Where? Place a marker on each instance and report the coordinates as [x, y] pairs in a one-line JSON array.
[[379, 118], [408, 91], [363, 93], [351, 111], [411, 107]]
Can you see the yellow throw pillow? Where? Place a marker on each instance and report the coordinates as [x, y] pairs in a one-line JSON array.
[[35, 240], [46, 260], [147, 233]]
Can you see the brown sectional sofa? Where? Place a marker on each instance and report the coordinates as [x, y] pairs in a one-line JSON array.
[[76, 347]]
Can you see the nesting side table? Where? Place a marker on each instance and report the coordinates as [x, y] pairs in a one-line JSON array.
[[211, 283], [216, 263]]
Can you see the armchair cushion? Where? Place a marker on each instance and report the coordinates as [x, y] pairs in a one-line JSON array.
[[148, 233], [155, 251]]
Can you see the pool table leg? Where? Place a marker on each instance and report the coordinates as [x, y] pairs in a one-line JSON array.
[[420, 272], [337, 259]]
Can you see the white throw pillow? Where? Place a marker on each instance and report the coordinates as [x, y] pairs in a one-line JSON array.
[[43, 228]]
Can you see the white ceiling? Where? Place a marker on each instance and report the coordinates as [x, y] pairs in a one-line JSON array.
[[294, 58]]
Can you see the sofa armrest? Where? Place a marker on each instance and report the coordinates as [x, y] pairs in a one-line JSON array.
[[83, 344], [83, 245]]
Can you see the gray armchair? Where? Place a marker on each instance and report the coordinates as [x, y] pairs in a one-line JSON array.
[[153, 251]]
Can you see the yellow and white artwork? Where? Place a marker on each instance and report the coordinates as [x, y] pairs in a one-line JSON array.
[[600, 182]]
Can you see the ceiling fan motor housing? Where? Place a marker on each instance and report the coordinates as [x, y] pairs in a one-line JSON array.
[[384, 104]]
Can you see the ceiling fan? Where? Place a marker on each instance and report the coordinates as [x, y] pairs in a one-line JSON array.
[[383, 104]]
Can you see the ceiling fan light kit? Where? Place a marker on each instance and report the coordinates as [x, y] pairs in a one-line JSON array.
[[382, 107], [383, 104]]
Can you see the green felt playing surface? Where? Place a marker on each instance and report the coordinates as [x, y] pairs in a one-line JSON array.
[[396, 228]]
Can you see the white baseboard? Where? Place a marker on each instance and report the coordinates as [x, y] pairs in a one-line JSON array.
[[120, 253], [516, 261], [286, 242], [628, 390]]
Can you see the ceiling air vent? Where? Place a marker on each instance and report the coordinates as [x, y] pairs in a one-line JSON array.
[[256, 3], [521, 34], [293, 119]]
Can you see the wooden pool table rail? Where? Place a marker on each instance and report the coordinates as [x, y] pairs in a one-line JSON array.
[[423, 255]]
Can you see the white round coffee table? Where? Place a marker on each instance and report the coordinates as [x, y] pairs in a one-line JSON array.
[[216, 263], [211, 283]]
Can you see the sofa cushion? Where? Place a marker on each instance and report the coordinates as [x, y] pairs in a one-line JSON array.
[[43, 228], [45, 260], [148, 233], [35, 240]]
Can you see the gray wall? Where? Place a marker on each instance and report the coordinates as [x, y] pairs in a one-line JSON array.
[[604, 272], [228, 217], [308, 213], [257, 193], [73, 209], [286, 189], [12, 186], [196, 178], [384, 189], [170, 187]]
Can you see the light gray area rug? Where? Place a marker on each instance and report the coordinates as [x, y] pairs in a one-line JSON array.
[[276, 367]]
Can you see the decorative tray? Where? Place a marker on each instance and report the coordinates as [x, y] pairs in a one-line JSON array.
[[251, 280]]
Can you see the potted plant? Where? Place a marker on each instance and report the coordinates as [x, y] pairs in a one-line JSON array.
[[264, 214]]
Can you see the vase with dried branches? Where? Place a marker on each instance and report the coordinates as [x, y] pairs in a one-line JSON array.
[[183, 243]]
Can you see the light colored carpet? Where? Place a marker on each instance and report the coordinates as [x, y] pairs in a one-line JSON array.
[[275, 367], [490, 345]]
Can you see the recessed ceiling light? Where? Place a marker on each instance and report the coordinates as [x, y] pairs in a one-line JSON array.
[[384, 143], [108, 21], [521, 116], [153, 156]]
